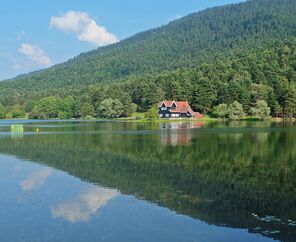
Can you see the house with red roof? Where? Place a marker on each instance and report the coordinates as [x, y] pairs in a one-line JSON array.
[[177, 109]]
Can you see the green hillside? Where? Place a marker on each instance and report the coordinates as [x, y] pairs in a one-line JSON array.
[[243, 52], [182, 43]]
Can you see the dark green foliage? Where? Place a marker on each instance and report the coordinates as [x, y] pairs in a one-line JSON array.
[[110, 108], [290, 102], [145, 92], [152, 113], [29, 106], [67, 108], [260, 92], [16, 111], [244, 52], [235, 111], [183, 43], [126, 105], [86, 110], [128, 108], [46, 108], [240, 91], [2, 111], [261, 110], [221, 110], [204, 87], [204, 96], [174, 91]]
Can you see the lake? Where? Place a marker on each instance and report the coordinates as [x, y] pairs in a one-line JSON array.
[[121, 181]]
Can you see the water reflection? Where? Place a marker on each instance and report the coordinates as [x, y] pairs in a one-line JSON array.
[[17, 131], [88, 203], [221, 173], [177, 133], [35, 180]]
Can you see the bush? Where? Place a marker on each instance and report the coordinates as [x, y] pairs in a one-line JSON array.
[[220, 111], [110, 108], [86, 109], [235, 111], [152, 113], [261, 110]]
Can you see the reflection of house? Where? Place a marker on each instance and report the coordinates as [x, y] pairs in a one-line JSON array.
[[173, 109], [177, 133]]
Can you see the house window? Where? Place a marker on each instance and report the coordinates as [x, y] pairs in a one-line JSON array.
[[163, 108], [167, 115], [161, 115]]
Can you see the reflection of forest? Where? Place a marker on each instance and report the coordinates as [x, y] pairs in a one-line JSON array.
[[224, 175]]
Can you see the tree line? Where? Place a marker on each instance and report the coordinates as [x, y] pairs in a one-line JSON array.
[[257, 82]]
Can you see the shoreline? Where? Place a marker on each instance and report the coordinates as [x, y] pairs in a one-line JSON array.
[[163, 120]]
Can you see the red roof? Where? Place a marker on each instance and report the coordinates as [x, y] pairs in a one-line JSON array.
[[181, 106], [178, 103], [198, 115]]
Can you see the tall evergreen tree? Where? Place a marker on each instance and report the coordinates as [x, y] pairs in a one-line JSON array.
[[290, 102], [204, 96], [2, 111]]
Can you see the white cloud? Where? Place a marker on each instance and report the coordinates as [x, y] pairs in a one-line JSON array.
[[178, 16], [35, 54], [84, 27], [80, 210], [35, 180]]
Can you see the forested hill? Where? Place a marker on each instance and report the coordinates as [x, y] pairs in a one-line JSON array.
[[183, 43]]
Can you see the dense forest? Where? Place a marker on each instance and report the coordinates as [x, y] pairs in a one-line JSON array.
[[229, 61]]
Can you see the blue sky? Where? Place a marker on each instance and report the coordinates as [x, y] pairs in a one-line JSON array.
[[36, 34]]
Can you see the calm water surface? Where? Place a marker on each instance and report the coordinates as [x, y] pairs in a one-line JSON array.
[[118, 181]]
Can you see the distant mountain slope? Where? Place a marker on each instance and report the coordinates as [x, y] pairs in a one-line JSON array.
[[183, 43]]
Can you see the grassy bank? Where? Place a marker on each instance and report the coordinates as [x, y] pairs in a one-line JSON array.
[[139, 117]]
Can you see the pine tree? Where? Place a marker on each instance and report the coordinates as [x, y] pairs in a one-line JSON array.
[[2, 111], [290, 103]]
